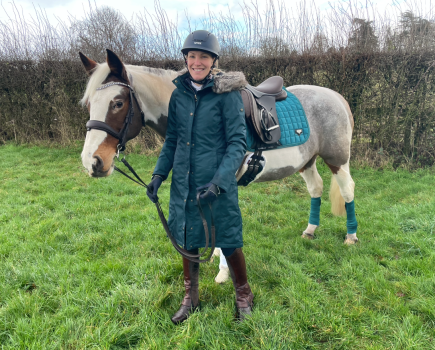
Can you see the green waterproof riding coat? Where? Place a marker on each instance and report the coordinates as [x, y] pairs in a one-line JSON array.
[[205, 142]]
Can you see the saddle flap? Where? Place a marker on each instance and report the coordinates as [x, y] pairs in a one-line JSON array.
[[261, 115]]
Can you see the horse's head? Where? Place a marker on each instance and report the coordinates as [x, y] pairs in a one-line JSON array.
[[108, 98]]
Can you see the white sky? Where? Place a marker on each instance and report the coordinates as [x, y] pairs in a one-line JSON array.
[[176, 9]]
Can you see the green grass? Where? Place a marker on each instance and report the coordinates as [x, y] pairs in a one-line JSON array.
[[85, 264]]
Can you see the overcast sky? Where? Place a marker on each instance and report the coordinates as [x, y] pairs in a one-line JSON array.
[[176, 9]]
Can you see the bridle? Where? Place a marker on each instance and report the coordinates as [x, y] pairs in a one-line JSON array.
[[123, 136]]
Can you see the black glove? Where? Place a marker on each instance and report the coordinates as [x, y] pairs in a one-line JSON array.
[[153, 187], [209, 192]]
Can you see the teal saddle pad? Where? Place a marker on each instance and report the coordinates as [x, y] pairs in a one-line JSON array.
[[293, 123]]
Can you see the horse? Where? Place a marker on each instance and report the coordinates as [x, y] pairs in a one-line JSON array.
[[109, 100]]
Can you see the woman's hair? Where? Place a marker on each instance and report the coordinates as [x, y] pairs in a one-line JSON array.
[[204, 51]]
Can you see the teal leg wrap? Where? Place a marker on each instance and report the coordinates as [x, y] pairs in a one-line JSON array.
[[352, 225], [315, 211]]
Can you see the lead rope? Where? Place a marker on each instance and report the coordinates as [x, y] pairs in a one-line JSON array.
[[185, 253]]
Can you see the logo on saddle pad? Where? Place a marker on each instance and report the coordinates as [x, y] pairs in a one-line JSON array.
[[298, 131]]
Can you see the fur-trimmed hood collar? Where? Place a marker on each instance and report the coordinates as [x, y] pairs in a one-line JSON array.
[[225, 81]]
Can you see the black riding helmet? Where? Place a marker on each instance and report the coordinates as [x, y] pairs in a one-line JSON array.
[[201, 40]]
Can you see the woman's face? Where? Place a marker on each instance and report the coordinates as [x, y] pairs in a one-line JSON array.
[[199, 64]]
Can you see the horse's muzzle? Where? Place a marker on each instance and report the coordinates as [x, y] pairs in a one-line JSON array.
[[98, 168]]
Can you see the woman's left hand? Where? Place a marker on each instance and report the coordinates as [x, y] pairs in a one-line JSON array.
[[209, 192]]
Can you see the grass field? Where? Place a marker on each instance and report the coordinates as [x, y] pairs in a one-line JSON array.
[[85, 263]]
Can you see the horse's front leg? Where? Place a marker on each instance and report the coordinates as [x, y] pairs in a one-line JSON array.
[[315, 187]]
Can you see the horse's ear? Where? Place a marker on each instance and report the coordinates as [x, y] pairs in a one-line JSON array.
[[88, 63], [115, 64]]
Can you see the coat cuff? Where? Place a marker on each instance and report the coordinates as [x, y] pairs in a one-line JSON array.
[[161, 176], [221, 190]]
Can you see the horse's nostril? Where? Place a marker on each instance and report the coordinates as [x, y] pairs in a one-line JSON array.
[[99, 164]]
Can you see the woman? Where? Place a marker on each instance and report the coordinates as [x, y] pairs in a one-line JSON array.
[[204, 146]]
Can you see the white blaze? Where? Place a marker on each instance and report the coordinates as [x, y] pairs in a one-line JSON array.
[[94, 138]]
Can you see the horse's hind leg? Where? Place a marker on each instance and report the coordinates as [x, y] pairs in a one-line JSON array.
[[341, 175], [315, 188]]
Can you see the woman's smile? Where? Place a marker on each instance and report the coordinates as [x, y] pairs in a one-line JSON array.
[[199, 64]]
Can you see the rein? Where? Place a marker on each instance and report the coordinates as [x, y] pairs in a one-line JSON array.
[[122, 136]]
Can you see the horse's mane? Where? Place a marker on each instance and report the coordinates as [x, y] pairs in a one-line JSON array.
[[137, 74]]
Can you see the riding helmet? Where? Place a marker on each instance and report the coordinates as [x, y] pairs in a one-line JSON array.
[[201, 40]]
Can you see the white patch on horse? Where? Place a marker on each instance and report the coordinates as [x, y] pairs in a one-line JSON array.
[[309, 231], [345, 183], [101, 100], [351, 238], [313, 180], [278, 159], [98, 76]]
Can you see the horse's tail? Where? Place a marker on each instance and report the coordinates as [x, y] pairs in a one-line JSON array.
[[337, 200]]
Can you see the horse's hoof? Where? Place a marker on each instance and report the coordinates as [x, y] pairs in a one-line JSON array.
[[307, 235], [350, 241], [223, 275]]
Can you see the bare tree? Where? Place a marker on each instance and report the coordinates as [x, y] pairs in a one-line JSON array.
[[104, 28], [363, 37]]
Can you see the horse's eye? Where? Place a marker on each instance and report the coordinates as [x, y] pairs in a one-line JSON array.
[[118, 104]]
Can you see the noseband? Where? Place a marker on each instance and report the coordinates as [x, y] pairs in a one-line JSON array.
[[123, 137]]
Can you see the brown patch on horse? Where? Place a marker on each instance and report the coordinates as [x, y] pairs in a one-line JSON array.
[[107, 151], [89, 64], [309, 164], [115, 116], [333, 168]]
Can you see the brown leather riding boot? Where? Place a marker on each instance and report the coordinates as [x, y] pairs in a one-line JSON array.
[[190, 302], [244, 296]]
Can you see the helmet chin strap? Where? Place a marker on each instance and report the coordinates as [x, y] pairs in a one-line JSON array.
[[203, 81]]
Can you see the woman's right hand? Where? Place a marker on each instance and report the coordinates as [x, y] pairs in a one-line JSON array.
[[153, 187]]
